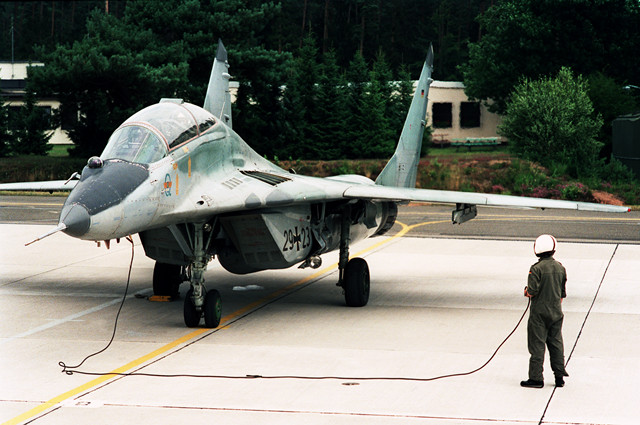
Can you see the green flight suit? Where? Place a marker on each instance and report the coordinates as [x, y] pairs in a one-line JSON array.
[[547, 286]]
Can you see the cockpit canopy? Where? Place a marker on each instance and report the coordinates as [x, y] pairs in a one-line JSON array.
[[149, 135]]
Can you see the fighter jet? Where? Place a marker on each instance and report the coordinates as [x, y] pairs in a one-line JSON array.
[[179, 176]]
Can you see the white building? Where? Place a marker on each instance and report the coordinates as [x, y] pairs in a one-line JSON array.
[[13, 77], [454, 117]]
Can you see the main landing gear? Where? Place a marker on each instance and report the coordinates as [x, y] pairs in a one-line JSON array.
[[353, 275]]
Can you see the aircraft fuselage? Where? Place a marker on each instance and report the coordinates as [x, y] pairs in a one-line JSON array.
[[252, 207]]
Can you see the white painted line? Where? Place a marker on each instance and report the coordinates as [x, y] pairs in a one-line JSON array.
[[69, 318]]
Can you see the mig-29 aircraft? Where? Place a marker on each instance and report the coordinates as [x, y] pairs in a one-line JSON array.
[[180, 177]]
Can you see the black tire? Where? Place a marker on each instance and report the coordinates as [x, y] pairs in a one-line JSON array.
[[356, 283], [191, 315], [212, 309], [167, 279]]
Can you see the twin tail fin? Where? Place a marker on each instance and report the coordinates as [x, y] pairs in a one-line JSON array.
[[218, 98], [402, 168]]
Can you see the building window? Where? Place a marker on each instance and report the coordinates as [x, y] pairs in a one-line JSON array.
[[442, 116], [469, 114]]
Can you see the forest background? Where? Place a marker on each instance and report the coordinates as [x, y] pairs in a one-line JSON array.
[[319, 79]]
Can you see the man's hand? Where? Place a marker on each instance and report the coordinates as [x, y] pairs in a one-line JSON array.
[[526, 293]]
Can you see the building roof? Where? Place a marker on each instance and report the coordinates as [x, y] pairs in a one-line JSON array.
[[448, 84], [16, 70]]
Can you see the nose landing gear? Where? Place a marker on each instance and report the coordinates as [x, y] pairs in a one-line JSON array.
[[199, 302], [211, 310]]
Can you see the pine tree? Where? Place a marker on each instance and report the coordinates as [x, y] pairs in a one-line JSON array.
[[6, 136], [383, 76], [376, 138], [34, 128], [258, 114], [358, 82], [291, 117], [371, 133], [306, 90], [332, 109], [115, 70]]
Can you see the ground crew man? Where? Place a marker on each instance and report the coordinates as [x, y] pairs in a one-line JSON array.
[[546, 286]]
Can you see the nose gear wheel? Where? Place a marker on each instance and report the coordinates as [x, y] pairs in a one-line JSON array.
[[212, 309], [191, 314]]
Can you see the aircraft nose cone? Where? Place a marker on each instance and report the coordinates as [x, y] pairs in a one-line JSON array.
[[77, 219]]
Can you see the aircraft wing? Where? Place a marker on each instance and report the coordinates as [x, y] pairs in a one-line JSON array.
[[296, 189], [50, 186], [257, 190], [376, 192]]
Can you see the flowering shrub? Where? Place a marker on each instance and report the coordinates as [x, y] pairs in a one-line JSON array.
[[545, 192], [576, 192], [500, 175]]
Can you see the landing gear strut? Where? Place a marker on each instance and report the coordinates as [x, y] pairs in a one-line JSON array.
[[198, 302], [353, 275]]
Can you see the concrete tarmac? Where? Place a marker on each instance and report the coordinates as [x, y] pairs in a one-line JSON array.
[[438, 306]]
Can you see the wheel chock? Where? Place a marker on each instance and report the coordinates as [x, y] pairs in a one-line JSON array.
[[160, 298]]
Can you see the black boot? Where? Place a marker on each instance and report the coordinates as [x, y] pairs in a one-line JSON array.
[[530, 383], [560, 377]]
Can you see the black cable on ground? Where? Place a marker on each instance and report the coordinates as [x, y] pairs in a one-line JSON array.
[[69, 370], [298, 377], [584, 322], [595, 297]]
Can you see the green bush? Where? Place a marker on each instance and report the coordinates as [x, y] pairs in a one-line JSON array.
[[576, 192], [615, 172], [551, 121]]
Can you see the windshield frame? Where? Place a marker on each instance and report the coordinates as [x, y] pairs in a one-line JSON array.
[[172, 123], [121, 145]]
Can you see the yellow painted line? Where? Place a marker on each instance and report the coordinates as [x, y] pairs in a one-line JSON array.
[[62, 397], [135, 363]]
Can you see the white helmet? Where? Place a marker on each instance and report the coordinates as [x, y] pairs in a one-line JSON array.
[[544, 244]]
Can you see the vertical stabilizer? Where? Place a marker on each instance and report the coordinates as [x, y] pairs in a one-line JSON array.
[[402, 168], [218, 99]]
